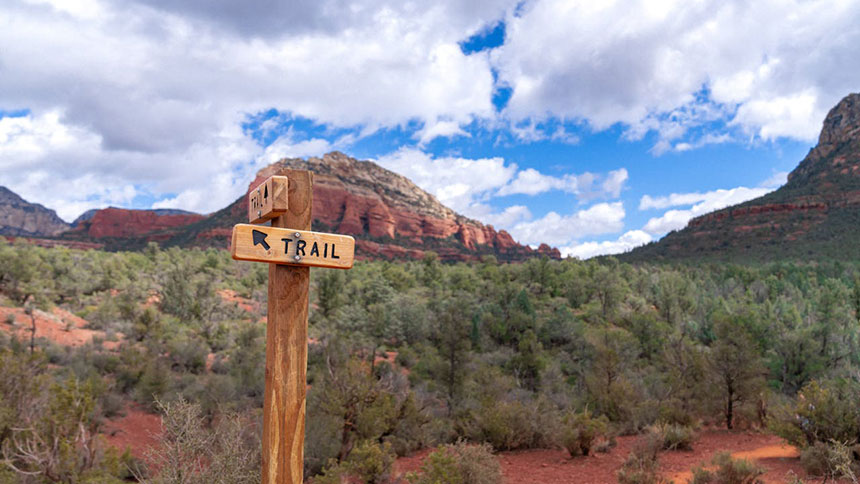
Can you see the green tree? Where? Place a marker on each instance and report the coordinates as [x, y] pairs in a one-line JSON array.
[[735, 366]]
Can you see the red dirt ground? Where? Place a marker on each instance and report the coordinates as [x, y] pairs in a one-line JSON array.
[[138, 430], [556, 467], [58, 326], [230, 296]]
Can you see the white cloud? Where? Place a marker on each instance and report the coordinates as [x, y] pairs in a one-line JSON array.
[[773, 67], [459, 183], [648, 202], [63, 166], [440, 129], [624, 243], [776, 180], [465, 185], [556, 229], [586, 186], [151, 94], [703, 203], [532, 182], [505, 219], [614, 182]]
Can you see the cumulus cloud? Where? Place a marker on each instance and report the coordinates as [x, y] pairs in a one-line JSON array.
[[166, 85], [457, 182], [770, 67], [586, 186], [556, 229], [629, 240], [465, 184]]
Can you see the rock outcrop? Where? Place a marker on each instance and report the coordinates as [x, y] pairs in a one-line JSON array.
[[19, 217], [815, 214]]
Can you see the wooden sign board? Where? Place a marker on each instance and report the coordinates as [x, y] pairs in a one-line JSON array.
[[261, 243], [268, 200]]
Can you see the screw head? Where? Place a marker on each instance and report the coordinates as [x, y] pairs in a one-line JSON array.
[[297, 258], [259, 213], [298, 235]]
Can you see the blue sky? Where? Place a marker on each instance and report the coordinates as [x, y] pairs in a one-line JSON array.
[[594, 127]]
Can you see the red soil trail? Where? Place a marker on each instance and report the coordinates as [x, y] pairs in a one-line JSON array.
[[544, 466]]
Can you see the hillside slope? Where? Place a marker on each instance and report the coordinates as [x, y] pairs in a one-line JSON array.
[[816, 214]]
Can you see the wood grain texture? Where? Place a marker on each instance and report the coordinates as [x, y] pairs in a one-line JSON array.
[[290, 246], [287, 349], [268, 200]]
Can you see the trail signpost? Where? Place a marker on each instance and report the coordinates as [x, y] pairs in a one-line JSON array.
[[291, 249]]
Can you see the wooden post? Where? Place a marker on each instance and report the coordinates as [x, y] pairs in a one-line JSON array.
[[287, 348]]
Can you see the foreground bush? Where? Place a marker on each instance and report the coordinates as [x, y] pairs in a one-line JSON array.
[[823, 412], [192, 452], [832, 460], [642, 465], [674, 436], [581, 430], [368, 463], [459, 463], [728, 471]]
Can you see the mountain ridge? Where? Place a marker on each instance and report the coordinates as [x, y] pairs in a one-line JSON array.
[[390, 216], [815, 214], [21, 218]]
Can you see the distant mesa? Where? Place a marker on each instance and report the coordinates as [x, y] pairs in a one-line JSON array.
[[89, 214], [816, 214], [115, 222]]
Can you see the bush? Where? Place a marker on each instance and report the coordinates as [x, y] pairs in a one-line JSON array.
[[642, 465], [581, 430], [368, 463], [830, 461], [674, 436], [728, 471], [823, 412], [459, 463], [512, 425], [191, 451]]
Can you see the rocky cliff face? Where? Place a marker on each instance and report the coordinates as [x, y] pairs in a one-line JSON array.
[[21, 218], [815, 214], [392, 217]]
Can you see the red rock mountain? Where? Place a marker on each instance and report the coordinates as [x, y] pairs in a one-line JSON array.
[[390, 217], [120, 222], [816, 214]]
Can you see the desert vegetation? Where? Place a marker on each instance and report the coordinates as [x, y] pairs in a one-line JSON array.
[[466, 358]]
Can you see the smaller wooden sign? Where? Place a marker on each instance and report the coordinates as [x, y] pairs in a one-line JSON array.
[[262, 243], [268, 200]]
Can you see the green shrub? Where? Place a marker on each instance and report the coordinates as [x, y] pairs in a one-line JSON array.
[[368, 463], [832, 460], [459, 463], [509, 425], [642, 465], [823, 412], [581, 430], [727, 470], [674, 436]]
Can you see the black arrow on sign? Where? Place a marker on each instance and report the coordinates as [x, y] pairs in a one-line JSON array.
[[260, 238]]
